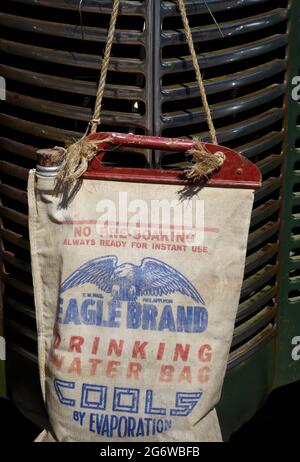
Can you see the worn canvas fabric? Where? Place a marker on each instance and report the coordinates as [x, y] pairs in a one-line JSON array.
[[135, 314]]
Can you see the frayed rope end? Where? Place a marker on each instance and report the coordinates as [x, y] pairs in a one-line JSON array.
[[206, 163], [76, 160]]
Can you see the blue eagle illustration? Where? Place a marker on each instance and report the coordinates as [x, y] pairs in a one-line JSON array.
[[129, 281]]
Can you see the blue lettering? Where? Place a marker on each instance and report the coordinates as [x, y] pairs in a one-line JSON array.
[[58, 385], [126, 406], [140, 428], [185, 319], [149, 317], [131, 426], [133, 315], [185, 403], [114, 424], [72, 314], [114, 307], [98, 392], [88, 315], [122, 432], [92, 422], [96, 421], [167, 319], [99, 312], [200, 319], [105, 426], [192, 319], [149, 409]]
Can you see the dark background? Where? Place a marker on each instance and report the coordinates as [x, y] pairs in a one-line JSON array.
[[277, 421]]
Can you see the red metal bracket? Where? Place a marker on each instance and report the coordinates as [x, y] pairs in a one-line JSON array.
[[236, 172]]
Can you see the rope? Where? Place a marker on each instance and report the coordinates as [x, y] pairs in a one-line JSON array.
[[104, 68], [189, 39], [79, 154]]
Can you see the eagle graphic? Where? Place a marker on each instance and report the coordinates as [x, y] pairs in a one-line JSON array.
[[127, 281]]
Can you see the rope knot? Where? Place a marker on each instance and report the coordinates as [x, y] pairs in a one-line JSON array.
[[205, 163], [76, 160]]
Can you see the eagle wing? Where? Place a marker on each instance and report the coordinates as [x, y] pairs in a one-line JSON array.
[[97, 271], [158, 279]]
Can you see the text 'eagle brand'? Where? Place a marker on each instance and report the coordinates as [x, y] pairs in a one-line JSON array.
[[139, 297]]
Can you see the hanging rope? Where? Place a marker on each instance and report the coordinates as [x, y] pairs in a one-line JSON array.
[[189, 39], [79, 154], [105, 63], [205, 163]]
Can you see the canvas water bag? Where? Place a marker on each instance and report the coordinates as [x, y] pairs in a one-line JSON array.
[[137, 285]]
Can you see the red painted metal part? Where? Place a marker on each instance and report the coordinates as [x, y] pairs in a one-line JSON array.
[[236, 172]]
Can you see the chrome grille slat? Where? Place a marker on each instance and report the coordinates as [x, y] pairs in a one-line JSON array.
[[69, 31], [67, 85], [214, 86], [66, 58], [226, 109], [232, 28], [230, 55]]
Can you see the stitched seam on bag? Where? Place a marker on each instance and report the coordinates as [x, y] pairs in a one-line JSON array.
[[37, 284]]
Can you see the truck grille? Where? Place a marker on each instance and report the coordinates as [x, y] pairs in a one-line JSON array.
[[51, 64]]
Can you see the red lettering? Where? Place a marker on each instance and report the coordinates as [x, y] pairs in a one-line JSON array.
[[205, 353], [181, 352], [95, 345], [185, 375], [111, 370], [203, 374], [166, 373], [115, 348], [75, 366], [94, 364], [85, 230], [76, 344], [138, 349], [161, 351], [57, 361], [134, 370]]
